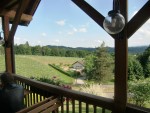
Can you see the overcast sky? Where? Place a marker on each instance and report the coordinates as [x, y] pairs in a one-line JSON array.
[[61, 22]]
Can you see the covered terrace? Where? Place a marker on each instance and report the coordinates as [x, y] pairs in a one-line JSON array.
[[20, 12]]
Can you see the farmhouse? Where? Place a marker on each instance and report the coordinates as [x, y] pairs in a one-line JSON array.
[[78, 65]]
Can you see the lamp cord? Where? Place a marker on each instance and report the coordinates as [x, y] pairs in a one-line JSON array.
[[116, 5]]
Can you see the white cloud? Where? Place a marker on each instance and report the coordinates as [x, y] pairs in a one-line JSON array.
[[77, 30], [141, 37], [44, 34], [82, 30], [61, 22], [98, 41], [70, 33]]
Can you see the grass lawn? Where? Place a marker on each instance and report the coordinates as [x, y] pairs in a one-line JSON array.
[[37, 66]]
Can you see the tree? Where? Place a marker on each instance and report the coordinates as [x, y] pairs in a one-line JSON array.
[[135, 69], [27, 48], [36, 50], [89, 65], [145, 61], [102, 64]]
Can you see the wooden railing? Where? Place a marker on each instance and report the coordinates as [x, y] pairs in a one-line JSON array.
[[72, 101]]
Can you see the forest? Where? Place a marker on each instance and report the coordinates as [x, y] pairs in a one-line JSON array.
[[49, 50]]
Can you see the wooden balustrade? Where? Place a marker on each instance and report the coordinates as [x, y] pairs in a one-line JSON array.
[[72, 101]]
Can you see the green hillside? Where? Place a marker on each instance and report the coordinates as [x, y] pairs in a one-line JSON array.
[[37, 66]]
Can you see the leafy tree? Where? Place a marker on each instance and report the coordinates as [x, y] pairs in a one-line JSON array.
[[135, 70], [147, 69], [36, 50], [62, 52], [89, 65], [71, 53], [102, 64], [55, 52], [27, 48], [145, 61]]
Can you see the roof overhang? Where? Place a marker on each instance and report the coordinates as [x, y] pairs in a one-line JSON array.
[[9, 8]]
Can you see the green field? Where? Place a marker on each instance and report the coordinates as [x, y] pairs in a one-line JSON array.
[[37, 66]]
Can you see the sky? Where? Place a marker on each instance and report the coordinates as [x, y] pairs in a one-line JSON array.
[[62, 23]]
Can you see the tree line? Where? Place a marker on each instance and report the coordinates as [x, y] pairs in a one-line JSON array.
[[26, 49]]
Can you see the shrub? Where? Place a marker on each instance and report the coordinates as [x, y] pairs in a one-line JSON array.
[[54, 80], [139, 92]]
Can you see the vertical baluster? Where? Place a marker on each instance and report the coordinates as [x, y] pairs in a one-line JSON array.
[[30, 94], [27, 103], [103, 110], [26, 99], [95, 110], [62, 106], [80, 107], [40, 98], [34, 98], [67, 105], [87, 108], [73, 106]]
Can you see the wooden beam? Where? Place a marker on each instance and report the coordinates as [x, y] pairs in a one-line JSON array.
[[93, 13], [121, 64], [8, 60], [21, 8], [11, 14], [139, 19], [5, 3]]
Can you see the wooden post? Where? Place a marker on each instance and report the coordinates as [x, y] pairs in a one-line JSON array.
[[9, 58], [121, 65]]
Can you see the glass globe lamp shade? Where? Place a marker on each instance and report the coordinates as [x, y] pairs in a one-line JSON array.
[[114, 22]]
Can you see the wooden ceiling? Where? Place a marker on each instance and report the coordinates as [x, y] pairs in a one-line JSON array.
[[10, 7]]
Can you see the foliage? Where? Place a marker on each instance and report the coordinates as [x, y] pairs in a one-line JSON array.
[[26, 49], [61, 70], [53, 80], [139, 92], [99, 66], [89, 65], [145, 61], [135, 70], [102, 64]]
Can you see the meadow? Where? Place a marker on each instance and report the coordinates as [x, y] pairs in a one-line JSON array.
[[38, 66]]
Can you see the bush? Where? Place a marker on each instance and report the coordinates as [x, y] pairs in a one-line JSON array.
[[139, 92], [54, 80]]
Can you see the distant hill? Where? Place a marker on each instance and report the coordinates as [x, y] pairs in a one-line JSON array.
[[132, 50]]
